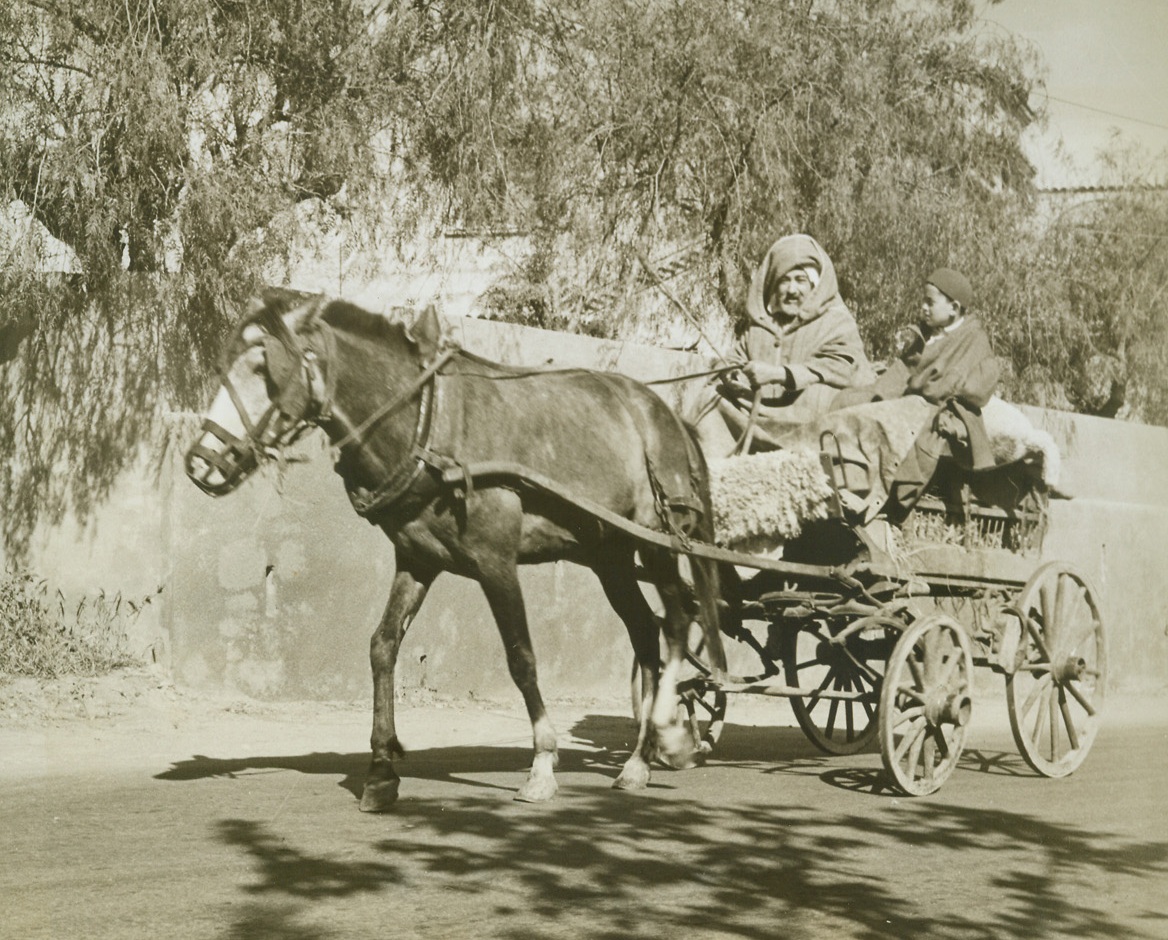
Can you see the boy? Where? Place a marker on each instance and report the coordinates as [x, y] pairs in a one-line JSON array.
[[949, 363]]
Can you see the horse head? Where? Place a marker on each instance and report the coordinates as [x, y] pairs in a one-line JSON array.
[[273, 389]]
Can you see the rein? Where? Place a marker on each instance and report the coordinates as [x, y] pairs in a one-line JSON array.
[[720, 370], [403, 398]]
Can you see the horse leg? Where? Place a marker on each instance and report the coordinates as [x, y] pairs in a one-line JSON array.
[[615, 572], [675, 744], [505, 598], [405, 597]]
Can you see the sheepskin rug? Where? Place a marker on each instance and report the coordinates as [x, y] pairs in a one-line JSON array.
[[769, 495], [1013, 437]]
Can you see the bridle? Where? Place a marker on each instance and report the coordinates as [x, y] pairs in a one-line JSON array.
[[299, 372], [301, 399]]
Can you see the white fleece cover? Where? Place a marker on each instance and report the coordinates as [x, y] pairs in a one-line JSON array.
[[1013, 437], [769, 495]]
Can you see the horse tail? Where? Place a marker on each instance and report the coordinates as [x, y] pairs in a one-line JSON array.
[[706, 572]]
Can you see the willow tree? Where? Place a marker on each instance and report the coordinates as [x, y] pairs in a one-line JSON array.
[[165, 144], [1088, 324], [169, 143], [618, 129]]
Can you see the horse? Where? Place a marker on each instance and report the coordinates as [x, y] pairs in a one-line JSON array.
[[472, 467]]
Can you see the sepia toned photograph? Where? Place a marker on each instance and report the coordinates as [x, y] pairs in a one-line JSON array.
[[607, 469]]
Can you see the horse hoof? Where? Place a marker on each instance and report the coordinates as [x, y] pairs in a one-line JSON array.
[[537, 790], [380, 796], [675, 748], [632, 778]]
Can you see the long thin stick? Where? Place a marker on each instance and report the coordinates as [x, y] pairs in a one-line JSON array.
[[685, 311]]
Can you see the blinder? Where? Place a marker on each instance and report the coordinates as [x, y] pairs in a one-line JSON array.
[[287, 376], [297, 393]]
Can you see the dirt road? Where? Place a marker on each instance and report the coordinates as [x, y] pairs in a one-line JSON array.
[[144, 812]]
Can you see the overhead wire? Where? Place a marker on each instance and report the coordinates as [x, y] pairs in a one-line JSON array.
[[1114, 114]]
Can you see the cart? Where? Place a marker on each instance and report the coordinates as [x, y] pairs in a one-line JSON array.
[[873, 631]]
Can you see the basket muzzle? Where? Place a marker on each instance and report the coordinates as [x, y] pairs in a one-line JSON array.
[[221, 470]]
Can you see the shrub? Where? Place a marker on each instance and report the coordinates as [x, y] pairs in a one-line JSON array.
[[42, 638]]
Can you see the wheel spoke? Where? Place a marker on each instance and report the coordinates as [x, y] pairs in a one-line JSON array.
[[1035, 692], [1047, 599], [832, 711], [933, 652], [950, 668], [1068, 722], [869, 711], [927, 757], [1083, 635], [1073, 688], [909, 692], [1039, 714], [1052, 712], [862, 668], [910, 736], [1057, 629], [1035, 631], [827, 680], [909, 714], [942, 744], [917, 670], [914, 751], [849, 714]]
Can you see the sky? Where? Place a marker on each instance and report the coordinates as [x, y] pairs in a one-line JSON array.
[[1106, 71]]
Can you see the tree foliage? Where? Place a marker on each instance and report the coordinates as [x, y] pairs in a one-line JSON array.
[[1085, 323], [613, 128], [166, 143], [175, 146]]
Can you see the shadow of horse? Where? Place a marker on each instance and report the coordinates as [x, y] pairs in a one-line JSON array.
[[455, 765], [597, 744]]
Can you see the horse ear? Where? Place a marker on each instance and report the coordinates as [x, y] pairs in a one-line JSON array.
[[426, 330], [298, 305], [303, 315]]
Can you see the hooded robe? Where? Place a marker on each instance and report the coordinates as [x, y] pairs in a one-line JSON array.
[[820, 346]]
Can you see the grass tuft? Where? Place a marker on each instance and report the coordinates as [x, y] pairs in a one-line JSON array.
[[43, 638]]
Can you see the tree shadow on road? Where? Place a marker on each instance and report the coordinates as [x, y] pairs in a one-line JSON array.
[[611, 865]]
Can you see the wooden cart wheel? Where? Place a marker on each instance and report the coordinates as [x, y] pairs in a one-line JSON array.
[[925, 704], [850, 661], [1055, 692]]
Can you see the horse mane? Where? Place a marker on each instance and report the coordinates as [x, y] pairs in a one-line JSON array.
[[353, 319], [275, 303]]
